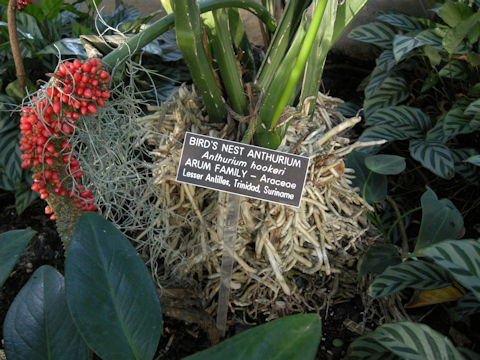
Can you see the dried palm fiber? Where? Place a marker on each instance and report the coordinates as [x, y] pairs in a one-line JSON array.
[[301, 259]]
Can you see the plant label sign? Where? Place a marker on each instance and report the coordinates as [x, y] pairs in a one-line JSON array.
[[242, 169]]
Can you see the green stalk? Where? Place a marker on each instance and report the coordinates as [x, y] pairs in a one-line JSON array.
[[280, 43], [345, 15], [301, 61], [219, 35], [190, 42], [242, 44], [143, 38]]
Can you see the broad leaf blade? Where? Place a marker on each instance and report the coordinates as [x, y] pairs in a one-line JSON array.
[[410, 274], [404, 45], [374, 33], [434, 156], [404, 22], [410, 120], [110, 293], [466, 306], [454, 70], [385, 164], [12, 244], [461, 258], [440, 221], [38, 325], [378, 258], [291, 337], [475, 160], [366, 347], [392, 91]]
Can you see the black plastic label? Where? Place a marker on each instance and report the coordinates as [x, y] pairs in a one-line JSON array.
[[242, 169]]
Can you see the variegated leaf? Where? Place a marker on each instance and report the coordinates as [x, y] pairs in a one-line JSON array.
[[465, 164], [434, 156], [392, 91], [403, 45], [432, 37], [374, 33], [466, 306], [461, 258], [410, 274], [412, 120], [475, 160], [468, 354], [415, 341], [455, 69], [382, 71], [436, 134], [348, 109], [382, 132], [473, 109], [457, 122], [10, 156], [404, 22], [366, 347]]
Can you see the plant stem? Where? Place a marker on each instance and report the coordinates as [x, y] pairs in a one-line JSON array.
[[143, 38], [364, 189], [15, 46], [399, 219], [403, 232], [301, 61]]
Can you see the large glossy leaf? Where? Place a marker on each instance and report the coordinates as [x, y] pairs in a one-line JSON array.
[[440, 221], [406, 340], [110, 294], [410, 274], [403, 45], [38, 325], [376, 187], [434, 156], [466, 306], [289, 338], [378, 258], [375, 33], [385, 164], [12, 244], [461, 258]]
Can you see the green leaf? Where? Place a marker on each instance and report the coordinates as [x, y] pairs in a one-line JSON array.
[[409, 120], [289, 338], [475, 160], [456, 122], [466, 168], [38, 325], [393, 91], [432, 37], [347, 11], [455, 69], [378, 258], [110, 294], [401, 21], [474, 91], [24, 197], [430, 81], [67, 46], [386, 164], [382, 132], [440, 221], [454, 13], [434, 57], [376, 187], [410, 274], [348, 109], [466, 306], [407, 340], [10, 159], [434, 156], [473, 109], [403, 45], [468, 354], [375, 33], [12, 244], [461, 258], [366, 347], [381, 72], [455, 36]]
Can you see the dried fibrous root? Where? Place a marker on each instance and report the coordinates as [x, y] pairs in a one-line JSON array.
[[287, 260]]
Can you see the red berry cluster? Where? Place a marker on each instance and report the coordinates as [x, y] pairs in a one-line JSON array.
[[78, 88], [22, 4]]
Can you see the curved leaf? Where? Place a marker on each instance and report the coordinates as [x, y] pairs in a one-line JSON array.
[[393, 90], [403, 45], [431, 37], [434, 156], [38, 325], [374, 33], [466, 306], [412, 341], [455, 69], [382, 71], [475, 160], [436, 296], [473, 109], [12, 244], [378, 258], [110, 294], [408, 119], [292, 337], [457, 122], [465, 164], [467, 353], [385, 164], [366, 347], [401, 21], [440, 221], [461, 258], [410, 274], [382, 132]]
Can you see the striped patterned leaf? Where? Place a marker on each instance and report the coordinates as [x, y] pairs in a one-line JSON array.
[[415, 341], [466, 306], [381, 72], [386, 59], [461, 258], [403, 45], [410, 274], [412, 120], [473, 109], [404, 22], [348, 109], [467, 164], [436, 134], [24, 197], [455, 69], [468, 354], [382, 132], [366, 347], [432, 37], [434, 156], [374, 33], [392, 91], [441, 220], [456, 122], [10, 156]]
